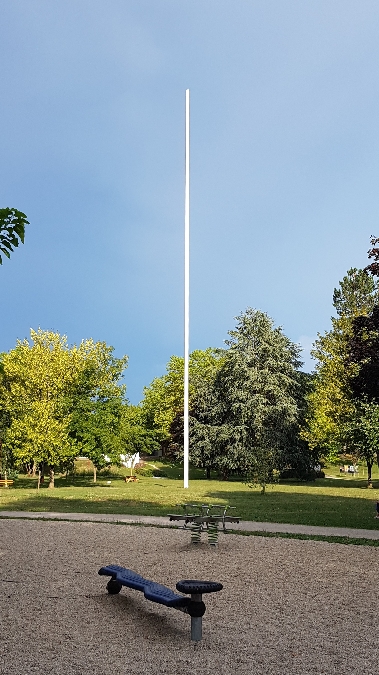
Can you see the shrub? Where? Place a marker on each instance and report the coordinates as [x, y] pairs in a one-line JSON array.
[[12, 474], [288, 473], [143, 471], [295, 474], [159, 473]]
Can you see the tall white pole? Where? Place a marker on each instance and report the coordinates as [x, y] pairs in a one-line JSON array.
[[186, 296]]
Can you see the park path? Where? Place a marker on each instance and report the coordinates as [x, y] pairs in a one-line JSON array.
[[243, 525]]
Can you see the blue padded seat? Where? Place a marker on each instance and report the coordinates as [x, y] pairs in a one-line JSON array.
[[124, 576], [151, 590], [164, 595]]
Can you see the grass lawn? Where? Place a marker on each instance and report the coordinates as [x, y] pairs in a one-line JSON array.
[[336, 501]]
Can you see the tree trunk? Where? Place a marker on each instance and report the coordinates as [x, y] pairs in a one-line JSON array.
[[369, 476], [51, 477], [34, 469], [208, 472], [94, 473]]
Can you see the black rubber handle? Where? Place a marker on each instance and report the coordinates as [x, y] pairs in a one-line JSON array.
[[191, 586]]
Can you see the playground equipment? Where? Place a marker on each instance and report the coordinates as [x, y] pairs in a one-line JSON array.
[[204, 518], [194, 606]]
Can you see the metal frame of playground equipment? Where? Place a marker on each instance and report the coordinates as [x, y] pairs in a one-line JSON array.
[[194, 606], [203, 518]]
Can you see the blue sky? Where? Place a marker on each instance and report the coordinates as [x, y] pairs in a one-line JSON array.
[[284, 166]]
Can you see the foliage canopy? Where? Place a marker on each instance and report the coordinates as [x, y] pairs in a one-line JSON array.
[[12, 230], [60, 400]]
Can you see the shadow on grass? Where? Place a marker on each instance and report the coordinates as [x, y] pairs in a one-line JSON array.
[[348, 483], [46, 501], [305, 508], [86, 480], [83, 481]]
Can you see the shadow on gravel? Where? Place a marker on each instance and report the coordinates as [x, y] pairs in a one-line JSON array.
[[151, 620]]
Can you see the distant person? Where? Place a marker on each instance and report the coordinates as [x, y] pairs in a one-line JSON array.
[[377, 509]]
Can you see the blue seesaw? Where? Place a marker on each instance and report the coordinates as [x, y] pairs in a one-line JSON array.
[[194, 606]]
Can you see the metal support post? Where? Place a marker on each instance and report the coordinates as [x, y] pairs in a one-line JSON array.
[[196, 621]]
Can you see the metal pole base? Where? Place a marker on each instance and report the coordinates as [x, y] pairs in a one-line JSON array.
[[196, 628], [196, 621]]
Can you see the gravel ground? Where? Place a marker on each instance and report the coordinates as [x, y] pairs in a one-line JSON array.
[[288, 607]]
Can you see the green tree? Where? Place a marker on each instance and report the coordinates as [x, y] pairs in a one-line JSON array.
[[134, 436], [205, 424], [362, 434], [362, 363], [357, 294], [373, 268], [38, 381], [107, 429], [97, 403], [95, 427], [12, 230], [4, 424], [163, 399], [297, 459], [56, 397], [254, 399], [331, 403], [363, 357]]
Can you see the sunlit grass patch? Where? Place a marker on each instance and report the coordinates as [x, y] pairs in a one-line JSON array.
[[329, 502]]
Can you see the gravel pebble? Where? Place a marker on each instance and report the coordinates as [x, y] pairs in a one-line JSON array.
[[288, 606]]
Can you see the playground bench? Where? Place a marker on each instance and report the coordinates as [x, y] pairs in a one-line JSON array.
[[6, 483], [131, 479], [204, 514], [204, 519], [194, 606]]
